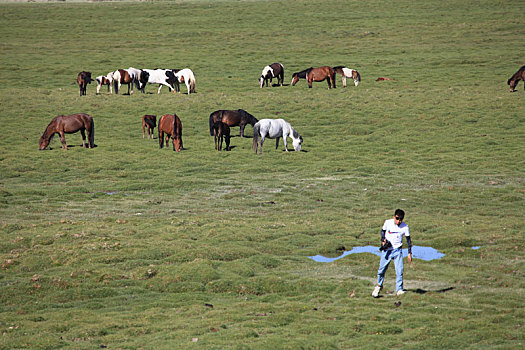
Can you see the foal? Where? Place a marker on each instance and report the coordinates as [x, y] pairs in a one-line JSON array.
[[149, 122], [221, 130]]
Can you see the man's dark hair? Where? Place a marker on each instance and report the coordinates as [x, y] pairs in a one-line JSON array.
[[400, 214]]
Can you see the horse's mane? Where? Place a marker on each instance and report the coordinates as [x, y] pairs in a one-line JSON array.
[[517, 75], [302, 74]]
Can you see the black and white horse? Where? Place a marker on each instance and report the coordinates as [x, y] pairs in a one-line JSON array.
[[163, 77]]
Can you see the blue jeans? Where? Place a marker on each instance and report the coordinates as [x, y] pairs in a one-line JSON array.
[[386, 258]]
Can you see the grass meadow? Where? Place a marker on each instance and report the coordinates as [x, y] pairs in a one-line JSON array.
[[128, 246]]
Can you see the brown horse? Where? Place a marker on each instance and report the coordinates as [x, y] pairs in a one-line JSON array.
[[513, 81], [171, 125], [149, 122], [232, 118], [320, 74], [221, 130], [300, 75], [83, 78], [69, 124]]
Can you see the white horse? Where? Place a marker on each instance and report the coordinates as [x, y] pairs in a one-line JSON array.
[[139, 77], [275, 129], [105, 80], [186, 76], [163, 77], [348, 73]]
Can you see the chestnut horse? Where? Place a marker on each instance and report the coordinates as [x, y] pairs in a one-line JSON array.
[[232, 118], [83, 78], [69, 124], [513, 81], [221, 130], [300, 75], [348, 73], [149, 122], [320, 74], [171, 125]]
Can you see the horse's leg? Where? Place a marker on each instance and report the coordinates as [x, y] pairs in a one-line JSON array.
[[227, 142], [242, 126], [161, 138], [63, 139], [277, 142], [82, 132], [144, 130], [344, 80]]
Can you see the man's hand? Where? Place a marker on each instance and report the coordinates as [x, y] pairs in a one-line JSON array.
[[409, 257]]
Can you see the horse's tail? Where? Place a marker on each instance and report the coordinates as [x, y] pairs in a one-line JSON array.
[[91, 132], [256, 137], [192, 82], [211, 122], [175, 126]]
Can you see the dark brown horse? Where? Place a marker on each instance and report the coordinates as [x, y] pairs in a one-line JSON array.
[[232, 118], [149, 122], [83, 78], [69, 124], [320, 74], [171, 125], [300, 75], [513, 81], [221, 130], [274, 70]]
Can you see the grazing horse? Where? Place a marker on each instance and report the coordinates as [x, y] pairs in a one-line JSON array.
[[348, 73], [140, 77], [105, 80], [186, 76], [275, 129], [300, 75], [221, 130], [320, 74], [513, 81], [232, 118], [123, 76], [69, 124], [149, 122], [274, 70], [83, 78], [171, 125], [162, 77]]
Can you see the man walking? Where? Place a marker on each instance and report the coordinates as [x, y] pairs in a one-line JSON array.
[[392, 249]]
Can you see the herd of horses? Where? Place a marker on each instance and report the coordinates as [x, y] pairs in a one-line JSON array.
[[220, 121], [139, 78], [170, 126]]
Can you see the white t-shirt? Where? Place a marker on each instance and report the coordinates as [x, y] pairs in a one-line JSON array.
[[394, 234]]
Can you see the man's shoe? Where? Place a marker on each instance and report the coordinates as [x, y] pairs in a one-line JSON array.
[[400, 292], [376, 291]]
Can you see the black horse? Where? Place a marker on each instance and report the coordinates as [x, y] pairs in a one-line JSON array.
[[232, 118]]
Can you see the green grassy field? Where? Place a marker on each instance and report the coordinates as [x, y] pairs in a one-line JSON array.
[[128, 246]]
